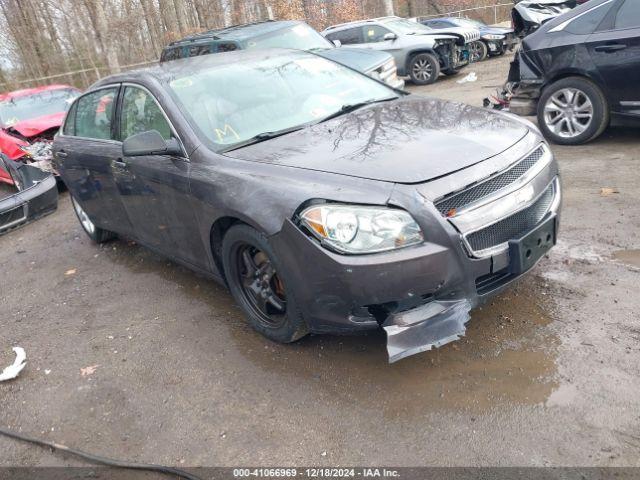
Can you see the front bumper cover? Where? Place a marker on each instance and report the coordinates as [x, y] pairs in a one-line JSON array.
[[36, 196]]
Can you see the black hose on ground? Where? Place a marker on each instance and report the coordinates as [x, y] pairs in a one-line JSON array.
[[98, 459]]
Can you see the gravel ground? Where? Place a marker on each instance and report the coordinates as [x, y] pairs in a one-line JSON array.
[[546, 375]]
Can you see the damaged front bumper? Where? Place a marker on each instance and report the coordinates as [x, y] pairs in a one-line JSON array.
[[422, 295], [36, 195], [431, 325]]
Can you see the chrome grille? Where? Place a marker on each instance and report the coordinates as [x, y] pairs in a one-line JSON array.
[[514, 226], [493, 184]]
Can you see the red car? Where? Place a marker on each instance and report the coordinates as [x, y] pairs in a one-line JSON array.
[[29, 119]]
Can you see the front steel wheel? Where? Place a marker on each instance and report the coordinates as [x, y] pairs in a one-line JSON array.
[[572, 111], [258, 283]]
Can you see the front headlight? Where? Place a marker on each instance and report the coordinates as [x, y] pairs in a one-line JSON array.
[[491, 36], [361, 229]]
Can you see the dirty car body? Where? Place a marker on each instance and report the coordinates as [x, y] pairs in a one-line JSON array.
[[29, 119], [377, 208], [284, 34], [33, 194]]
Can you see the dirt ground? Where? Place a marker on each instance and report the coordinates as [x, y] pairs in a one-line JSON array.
[[546, 375]]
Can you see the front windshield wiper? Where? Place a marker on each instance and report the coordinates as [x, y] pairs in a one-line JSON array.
[[355, 106], [261, 137]]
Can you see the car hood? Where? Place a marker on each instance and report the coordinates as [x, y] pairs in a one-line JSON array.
[[36, 126], [358, 59], [411, 140], [466, 34]]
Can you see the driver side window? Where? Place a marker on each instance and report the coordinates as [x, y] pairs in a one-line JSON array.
[[141, 113], [374, 33]]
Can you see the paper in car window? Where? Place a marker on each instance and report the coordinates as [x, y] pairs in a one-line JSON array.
[[225, 132], [371, 33]]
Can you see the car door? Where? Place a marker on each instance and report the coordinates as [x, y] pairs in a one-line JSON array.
[[155, 188], [615, 50], [85, 150], [373, 37]]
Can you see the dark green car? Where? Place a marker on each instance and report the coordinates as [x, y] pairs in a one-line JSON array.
[[285, 34]]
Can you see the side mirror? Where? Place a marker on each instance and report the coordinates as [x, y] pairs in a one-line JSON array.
[[337, 43], [150, 143], [390, 36]]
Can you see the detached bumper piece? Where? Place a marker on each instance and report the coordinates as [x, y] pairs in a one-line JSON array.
[[36, 196], [420, 329]]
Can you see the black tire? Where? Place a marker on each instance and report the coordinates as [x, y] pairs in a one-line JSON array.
[[424, 69], [561, 133], [95, 233], [282, 326], [478, 51]]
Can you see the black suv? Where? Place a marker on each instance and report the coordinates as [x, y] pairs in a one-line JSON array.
[[285, 34], [581, 71]]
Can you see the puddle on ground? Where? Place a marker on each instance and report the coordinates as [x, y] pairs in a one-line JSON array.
[[506, 357], [630, 257]]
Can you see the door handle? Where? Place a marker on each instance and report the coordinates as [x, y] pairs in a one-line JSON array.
[[119, 164], [61, 154], [610, 48]]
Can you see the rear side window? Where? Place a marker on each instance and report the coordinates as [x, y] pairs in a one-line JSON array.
[[171, 54], [588, 22], [374, 33], [227, 47], [198, 50], [70, 121], [348, 36], [94, 114], [629, 15]]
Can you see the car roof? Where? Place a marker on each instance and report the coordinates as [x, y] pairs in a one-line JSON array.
[[237, 32], [167, 71], [25, 92]]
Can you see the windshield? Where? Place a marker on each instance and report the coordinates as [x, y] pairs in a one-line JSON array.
[[406, 27], [299, 37], [37, 105], [233, 103], [469, 22]]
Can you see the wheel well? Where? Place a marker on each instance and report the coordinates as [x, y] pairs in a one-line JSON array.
[[218, 231]]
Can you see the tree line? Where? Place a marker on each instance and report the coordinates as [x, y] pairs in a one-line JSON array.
[[41, 41]]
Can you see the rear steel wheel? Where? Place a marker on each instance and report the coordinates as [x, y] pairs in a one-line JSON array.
[[94, 232]]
